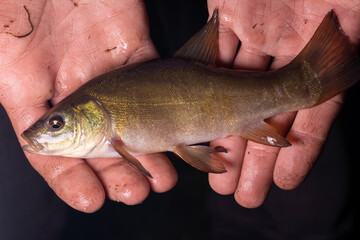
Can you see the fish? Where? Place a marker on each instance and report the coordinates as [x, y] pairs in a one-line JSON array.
[[175, 104]]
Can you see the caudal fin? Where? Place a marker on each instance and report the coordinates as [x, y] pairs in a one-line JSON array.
[[330, 55]]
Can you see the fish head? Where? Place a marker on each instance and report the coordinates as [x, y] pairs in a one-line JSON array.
[[68, 129]]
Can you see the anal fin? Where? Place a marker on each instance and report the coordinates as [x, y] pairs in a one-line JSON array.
[[265, 134], [201, 157], [120, 148]]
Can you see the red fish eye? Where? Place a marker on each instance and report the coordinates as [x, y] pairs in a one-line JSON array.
[[56, 122]]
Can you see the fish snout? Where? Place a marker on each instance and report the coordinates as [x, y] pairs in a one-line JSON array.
[[33, 145]]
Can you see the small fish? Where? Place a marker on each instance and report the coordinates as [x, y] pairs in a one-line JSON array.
[[172, 104]]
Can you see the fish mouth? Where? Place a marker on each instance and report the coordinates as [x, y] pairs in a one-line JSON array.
[[33, 147]]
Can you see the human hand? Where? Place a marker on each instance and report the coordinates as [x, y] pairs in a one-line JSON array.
[[49, 49], [279, 29]]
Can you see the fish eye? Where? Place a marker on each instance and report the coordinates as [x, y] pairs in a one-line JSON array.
[[56, 122]]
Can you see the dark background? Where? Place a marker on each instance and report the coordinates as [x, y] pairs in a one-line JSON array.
[[323, 207]]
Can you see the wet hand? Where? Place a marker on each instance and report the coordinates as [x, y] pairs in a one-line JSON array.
[[49, 49], [280, 30]]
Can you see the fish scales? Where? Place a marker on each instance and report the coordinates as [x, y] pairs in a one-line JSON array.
[[172, 104], [169, 101]]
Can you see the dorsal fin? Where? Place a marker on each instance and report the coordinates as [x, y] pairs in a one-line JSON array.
[[204, 45]]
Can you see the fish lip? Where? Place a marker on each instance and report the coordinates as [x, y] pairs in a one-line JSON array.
[[33, 147]]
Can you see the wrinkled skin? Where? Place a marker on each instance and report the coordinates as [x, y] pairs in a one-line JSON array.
[[71, 44], [279, 29]]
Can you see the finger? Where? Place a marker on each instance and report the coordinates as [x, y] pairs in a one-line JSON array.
[[251, 59], [226, 183], [280, 61], [247, 57], [164, 175], [228, 43], [122, 182], [256, 175], [257, 170], [307, 135], [72, 180]]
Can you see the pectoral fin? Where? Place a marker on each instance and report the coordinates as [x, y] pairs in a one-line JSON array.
[[201, 157], [120, 148], [265, 134]]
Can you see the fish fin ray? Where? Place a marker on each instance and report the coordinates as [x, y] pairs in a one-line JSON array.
[[332, 57], [265, 134], [120, 148], [201, 157], [204, 45]]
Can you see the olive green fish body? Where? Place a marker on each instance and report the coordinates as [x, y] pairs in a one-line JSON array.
[[156, 105], [171, 104]]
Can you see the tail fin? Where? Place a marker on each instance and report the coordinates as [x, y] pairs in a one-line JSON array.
[[330, 54]]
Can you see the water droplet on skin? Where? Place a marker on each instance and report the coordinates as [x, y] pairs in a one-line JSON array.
[[58, 169], [226, 18], [123, 45], [127, 193], [84, 201]]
